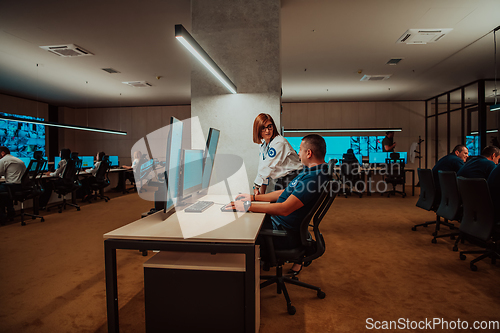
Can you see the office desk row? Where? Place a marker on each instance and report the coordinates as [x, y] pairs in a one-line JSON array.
[[219, 232], [371, 170]]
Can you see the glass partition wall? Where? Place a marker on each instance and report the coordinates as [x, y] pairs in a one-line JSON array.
[[461, 116]]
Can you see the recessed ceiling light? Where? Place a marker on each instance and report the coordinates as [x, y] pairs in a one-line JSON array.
[[375, 77], [67, 50], [422, 36], [138, 84]]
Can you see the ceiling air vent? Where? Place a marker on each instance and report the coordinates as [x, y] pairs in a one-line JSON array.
[[68, 50], [110, 70], [394, 61], [422, 36], [138, 84], [375, 77]]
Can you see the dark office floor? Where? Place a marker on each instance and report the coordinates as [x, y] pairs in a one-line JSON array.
[[52, 276]]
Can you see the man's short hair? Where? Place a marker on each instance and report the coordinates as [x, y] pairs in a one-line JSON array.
[[458, 149], [4, 149], [488, 151], [389, 132], [317, 144]]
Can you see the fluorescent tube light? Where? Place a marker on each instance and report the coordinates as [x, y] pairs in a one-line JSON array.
[[342, 130], [490, 131], [190, 43], [53, 124]]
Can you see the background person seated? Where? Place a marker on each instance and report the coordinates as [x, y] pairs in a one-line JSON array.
[[48, 184], [12, 168], [481, 166], [85, 189], [454, 161], [289, 207], [130, 173]]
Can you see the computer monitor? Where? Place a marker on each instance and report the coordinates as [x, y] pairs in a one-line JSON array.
[[192, 171], [87, 161], [403, 155], [113, 161], [209, 156], [57, 159], [173, 161], [377, 157], [26, 160]]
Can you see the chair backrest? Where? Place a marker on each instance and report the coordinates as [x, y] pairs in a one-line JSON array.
[[450, 206], [71, 171], [427, 199], [103, 169], [478, 218], [314, 218]]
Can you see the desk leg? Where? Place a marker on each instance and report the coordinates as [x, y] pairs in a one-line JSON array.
[[250, 289], [111, 287], [413, 183]]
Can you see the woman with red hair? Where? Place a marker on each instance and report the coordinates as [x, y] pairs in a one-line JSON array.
[[277, 159]]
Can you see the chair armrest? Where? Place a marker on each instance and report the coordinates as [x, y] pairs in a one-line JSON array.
[[270, 232]]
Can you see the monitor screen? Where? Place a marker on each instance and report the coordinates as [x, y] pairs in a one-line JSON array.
[[57, 159], [209, 157], [26, 160], [173, 161], [403, 155], [87, 161], [377, 157], [22, 138], [192, 163], [113, 161]]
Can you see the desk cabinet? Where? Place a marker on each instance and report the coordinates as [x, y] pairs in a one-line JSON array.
[[196, 292]]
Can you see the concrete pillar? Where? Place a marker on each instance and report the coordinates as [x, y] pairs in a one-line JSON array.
[[243, 38]]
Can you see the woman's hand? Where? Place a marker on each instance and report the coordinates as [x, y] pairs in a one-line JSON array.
[[243, 197]]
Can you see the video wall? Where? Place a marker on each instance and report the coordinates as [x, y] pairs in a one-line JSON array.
[[22, 138]]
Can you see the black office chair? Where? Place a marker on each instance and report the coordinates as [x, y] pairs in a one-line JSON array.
[[350, 174], [29, 188], [478, 223], [395, 174], [311, 248], [450, 206], [69, 182], [100, 181], [428, 198]]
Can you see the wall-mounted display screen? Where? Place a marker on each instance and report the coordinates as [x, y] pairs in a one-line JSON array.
[[22, 138]]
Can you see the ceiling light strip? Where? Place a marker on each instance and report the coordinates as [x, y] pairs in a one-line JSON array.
[[190, 43], [342, 130], [489, 131], [53, 124]]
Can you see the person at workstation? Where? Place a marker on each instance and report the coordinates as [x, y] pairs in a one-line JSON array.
[[129, 174], [48, 185], [289, 206], [388, 143], [277, 159], [494, 186], [451, 162], [481, 166], [86, 181], [12, 168]]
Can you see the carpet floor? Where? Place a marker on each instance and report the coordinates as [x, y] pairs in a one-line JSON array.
[[375, 270]]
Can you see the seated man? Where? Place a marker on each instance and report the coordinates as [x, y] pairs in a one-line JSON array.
[[481, 166], [13, 169], [494, 186], [288, 207], [454, 161]]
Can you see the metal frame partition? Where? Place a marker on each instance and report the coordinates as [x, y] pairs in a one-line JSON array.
[[472, 97]]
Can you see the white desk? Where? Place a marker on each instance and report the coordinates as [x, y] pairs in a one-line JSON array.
[[164, 232]]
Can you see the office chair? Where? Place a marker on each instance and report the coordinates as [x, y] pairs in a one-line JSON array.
[[450, 206], [395, 169], [28, 189], [100, 181], [311, 247], [428, 199], [69, 182], [350, 174], [478, 223]]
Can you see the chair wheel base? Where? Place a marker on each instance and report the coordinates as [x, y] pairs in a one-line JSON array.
[[321, 294], [291, 310], [462, 256], [434, 241], [414, 228], [473, 267], [455, 248]]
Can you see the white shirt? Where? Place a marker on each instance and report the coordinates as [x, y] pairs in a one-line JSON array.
[[94, 169], [12, 168], [276, 159], [61, 166]]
